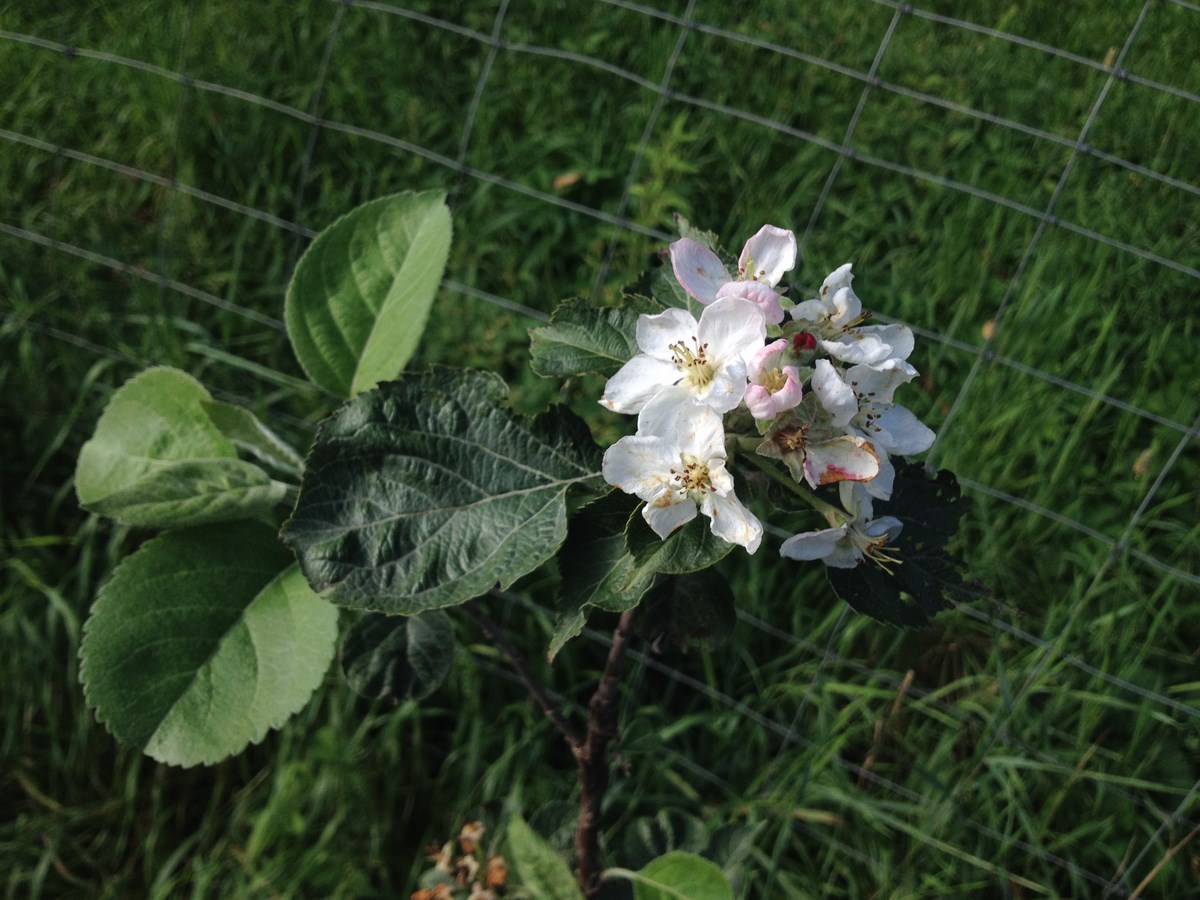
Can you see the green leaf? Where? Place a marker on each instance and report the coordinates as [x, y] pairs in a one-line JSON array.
[[359, 298], [157, 459], [403, 657], [582, 337], [681, 876], [426, 492], [203, 640], [927, 578], [688, 549], [250, 435], [543, 872]]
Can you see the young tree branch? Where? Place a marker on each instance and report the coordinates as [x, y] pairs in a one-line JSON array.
[[497, 636], [592, 757]]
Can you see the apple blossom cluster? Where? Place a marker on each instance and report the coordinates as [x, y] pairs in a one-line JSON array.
[[806, 384]]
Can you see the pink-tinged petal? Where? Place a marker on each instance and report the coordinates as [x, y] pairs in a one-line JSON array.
[[668, 512], [845, 458], [767, 255], [761, 295], [732, 327], [760, 402], [685, 424], [731, 521], [639, 465], [766, 359], [837, 397], [902, 432], [698, 269], [814, 544], [636, 382], [792, 392], [656, 333]]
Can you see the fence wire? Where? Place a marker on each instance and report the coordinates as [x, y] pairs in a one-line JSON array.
[[321, 120]]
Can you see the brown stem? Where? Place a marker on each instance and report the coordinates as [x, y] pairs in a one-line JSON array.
[[592, 758], [492, 630]]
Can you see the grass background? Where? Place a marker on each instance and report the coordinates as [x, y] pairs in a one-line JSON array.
[[1044, 744]]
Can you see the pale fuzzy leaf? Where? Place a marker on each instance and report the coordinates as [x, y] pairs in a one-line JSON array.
[[681, 876], [251, 436], [157, 459], [360, 296], [202, 641], [542, 870]]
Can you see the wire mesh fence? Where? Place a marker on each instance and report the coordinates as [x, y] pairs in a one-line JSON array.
[[1017, 184]]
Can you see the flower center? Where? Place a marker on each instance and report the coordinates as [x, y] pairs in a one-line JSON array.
[[692, 478], [774, 380], [694, 365], [876, 550]]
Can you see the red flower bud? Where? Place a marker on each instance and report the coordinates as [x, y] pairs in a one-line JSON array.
[[803, 342]]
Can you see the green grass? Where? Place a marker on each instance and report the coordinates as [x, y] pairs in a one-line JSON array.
[[997, 763]]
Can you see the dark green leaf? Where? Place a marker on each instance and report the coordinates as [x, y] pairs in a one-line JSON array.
[[582, 337], [358, 301], [203, 640], [402, 657], [689, 549], [157, 459], [542, 870], [426, 492], [927, 578]]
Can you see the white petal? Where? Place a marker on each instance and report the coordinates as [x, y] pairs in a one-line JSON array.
[[637, 382], [885, 526], [767, 255], [880, 486], [732, 327], [639, 464], [656, 333], [727, 388], [761, 295], [813, 544], [846, 307], [835, 395], [688, 426], [878, 383], [837, 279], [858, 347], [698, 269], [810, 311], [903, 432], [668, 512], [732, 521]]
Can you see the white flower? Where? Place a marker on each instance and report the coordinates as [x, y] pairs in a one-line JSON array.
[[765, 258], [676, 463], [837, 307], [774, 387], [706, 359], [814, 450], [860, 536], [861, 401], [833, 317]]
